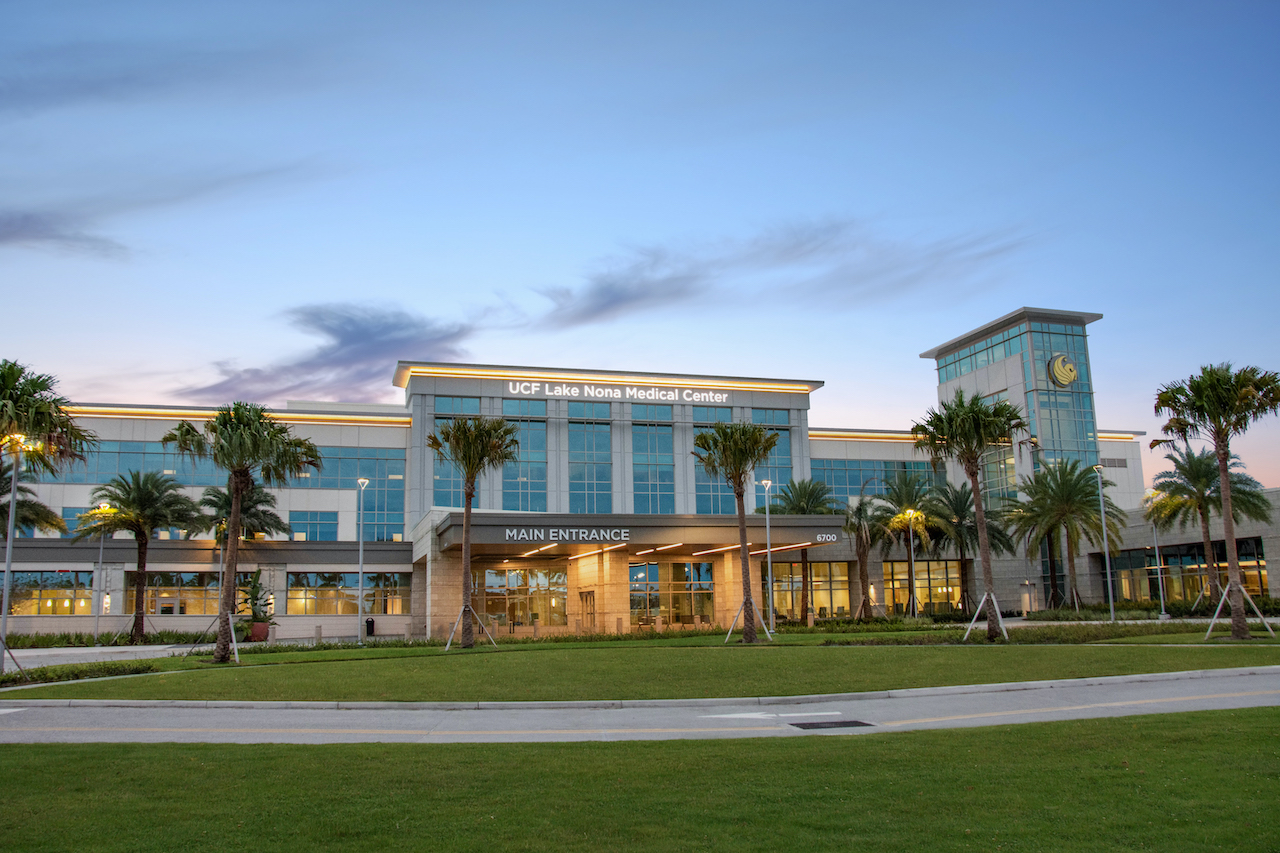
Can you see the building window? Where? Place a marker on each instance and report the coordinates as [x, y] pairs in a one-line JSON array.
[[1184, 570], [996, 348], [525, 409], [314, 526], [937, 586], [458, 406], [647, 412], [71, 518], [849, 478], [712, 414], [777, 468], [181, 593], [321, 594], [771, 417], [51, 594], [387, 593], [711, 495], [590, 468], [829, 596], [679, 593], [447, 480], [524, 482], [653, 468], [509, 597], [590, 411]]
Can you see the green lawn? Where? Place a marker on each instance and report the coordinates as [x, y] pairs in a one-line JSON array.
[[649, 670], [1187, 782]]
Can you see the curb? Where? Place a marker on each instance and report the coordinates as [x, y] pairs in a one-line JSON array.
[[617, 704]]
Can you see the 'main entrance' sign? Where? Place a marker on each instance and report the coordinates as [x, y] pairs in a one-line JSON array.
[[568, 534]]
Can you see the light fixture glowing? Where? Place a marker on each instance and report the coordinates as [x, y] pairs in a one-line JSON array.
[[783, 548], [669, 547], [536, 550], [717, 550], [597, 551], [646, 551]]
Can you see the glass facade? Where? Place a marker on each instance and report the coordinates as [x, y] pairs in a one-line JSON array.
[[590, 465], [322, 593], [679, 593], [711, 495], [524, 482], [512, 594], [829, 596], [937, 586], [310, 526], [1062, 418], [1184, 570], [847, 478], [51, 594], [71, 518], [181, 593], [446, 478], [996, 348], [653, 468]]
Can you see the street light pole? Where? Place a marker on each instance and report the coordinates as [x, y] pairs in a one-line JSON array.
[[362, 482], [768, 550], [97, 578], [15, 458], [911, 561], [1106, 549], [1155, 535]]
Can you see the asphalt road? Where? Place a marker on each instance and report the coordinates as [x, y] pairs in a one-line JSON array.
[[85, 721]]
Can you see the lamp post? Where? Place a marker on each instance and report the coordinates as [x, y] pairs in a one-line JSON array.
[[911, 561], [16, 443], [362, 482], [1106, 549], [97, 578], [768, 549]]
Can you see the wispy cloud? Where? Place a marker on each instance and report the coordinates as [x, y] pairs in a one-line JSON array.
[[355, 364], [840, 259], [75, 224]]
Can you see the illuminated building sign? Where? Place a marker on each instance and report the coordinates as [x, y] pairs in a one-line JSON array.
[[1062, 371], [585, 391], [568, 534]]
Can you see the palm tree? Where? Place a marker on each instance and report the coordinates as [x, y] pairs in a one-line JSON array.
[[804, 497], [860, 526], [242, 439], [256, 515], [1217, 404], [31, 513], [474, 445], [953, 515], [964, 429], [1062, 498], [902, 516], [732, 451], [1191, 492], [33, 421], [140, 504]]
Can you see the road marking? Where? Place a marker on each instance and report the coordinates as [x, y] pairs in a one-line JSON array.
[[1078, 707], [11, 710]]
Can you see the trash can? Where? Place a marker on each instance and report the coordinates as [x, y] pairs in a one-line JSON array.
[[368, 627]]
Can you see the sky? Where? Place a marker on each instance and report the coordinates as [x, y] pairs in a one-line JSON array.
[[277, 201]]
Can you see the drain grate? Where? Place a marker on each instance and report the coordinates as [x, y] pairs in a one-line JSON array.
[[832, 724]]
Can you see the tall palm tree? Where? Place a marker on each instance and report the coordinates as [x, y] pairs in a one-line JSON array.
[[732, 451], [804, 497], [1217, 404], [246, 442], [34, 422], [1190, 492], [903, 516], [1062, 499], [256, 515], [963, 429], [951, 508], [140, 504], [31, 513], [861, 528], [474, 445]]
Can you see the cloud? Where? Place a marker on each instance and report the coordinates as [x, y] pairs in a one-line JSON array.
[[71, 224], [839, 259], [354, 365]]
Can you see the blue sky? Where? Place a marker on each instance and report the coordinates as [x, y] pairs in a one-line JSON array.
[[277, 201]]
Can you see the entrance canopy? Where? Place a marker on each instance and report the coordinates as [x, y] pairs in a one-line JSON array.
[[555, 536]]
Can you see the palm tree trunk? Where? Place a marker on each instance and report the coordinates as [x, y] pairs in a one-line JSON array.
[[864, 577], [468, 631], [1239, 626], [1071, 572], [748, 607], [984, 552], [1054, 595], [239, 483], [806, 608], [1210, 567], [140, 592]]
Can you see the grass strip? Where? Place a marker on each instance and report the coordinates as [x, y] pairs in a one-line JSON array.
[[1189, 782], [653, 671], [75, 671]]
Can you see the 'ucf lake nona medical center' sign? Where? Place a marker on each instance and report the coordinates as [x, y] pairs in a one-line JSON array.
[[639, 393]]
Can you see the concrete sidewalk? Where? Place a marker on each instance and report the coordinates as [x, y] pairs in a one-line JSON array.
[[90, 654], [135, 721]]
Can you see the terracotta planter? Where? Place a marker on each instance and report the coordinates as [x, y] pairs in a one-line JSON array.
[[258, 632]]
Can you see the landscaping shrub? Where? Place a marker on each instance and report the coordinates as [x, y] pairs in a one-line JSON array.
[[74, 671]]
